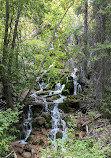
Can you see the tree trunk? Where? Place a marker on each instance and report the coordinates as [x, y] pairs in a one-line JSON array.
[[100, 36], [13, 43], [85, 50], [5, 79]]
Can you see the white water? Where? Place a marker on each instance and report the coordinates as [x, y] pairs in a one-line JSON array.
[[77, 86], [56, 115], [58, 124], [57, 120], [27, 126]]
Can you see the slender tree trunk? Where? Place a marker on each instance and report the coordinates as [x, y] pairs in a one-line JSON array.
[[85, 50], [55, 30], [13, 42], [100, 36], [5, 79]]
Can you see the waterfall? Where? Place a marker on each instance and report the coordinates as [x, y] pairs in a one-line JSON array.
[[58, 88], [77, 86], [58, 124], [57, 120], [27, 126]]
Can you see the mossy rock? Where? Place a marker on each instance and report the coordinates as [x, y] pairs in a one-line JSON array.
[[65, 92], [70, 78], [76, 97], [37, 87], [70, 86], [47, 117], [55, 97], [63, 80], [43, 93], [59, 135], [51, 86], [64, 107], [72, 102]]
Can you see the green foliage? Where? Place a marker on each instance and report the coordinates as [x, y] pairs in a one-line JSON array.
[[8, 132]]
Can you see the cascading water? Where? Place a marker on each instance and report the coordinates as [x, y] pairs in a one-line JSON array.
[[57, 120], [77, 86], [27, 126], [58, 124]]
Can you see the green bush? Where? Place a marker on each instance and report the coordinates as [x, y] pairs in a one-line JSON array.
[[8, 131]]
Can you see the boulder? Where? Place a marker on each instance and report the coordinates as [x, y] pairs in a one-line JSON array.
[[65, 92], [27, 155], [69, 86], [39, 122]]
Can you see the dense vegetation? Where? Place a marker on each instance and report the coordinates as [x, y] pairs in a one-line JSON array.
[[37, 34]]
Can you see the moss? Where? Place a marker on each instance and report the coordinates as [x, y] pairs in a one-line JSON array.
[[65, 92], [70, 77], [37, 87], [47, 117], [43, 93], [59, 65], [69, 85], [64, 107], [63, 80], [51, 86], [55, 97]]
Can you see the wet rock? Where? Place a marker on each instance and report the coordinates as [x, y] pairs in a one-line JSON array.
[[59, 135], [47, 117], [65, 92], [63, 80], [69, 86], [43, 93], [64, 107], [39, 122]]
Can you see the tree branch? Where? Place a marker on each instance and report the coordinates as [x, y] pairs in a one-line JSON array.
[[55, 30]]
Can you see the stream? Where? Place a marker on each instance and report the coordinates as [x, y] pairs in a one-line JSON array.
[[58, 124]]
